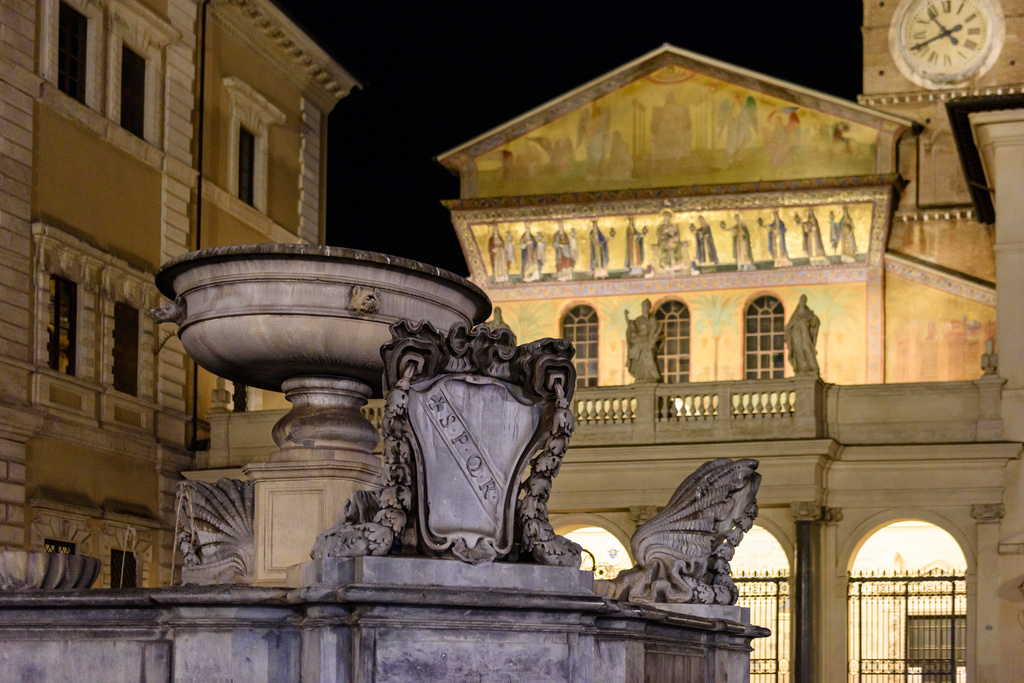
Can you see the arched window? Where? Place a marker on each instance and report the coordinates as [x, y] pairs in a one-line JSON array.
[[579, 326], [674, 353], [764, 339]]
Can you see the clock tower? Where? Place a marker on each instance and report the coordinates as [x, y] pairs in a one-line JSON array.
[[919, 55]]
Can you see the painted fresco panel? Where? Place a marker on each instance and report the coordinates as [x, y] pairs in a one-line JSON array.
[[673, 244], [931, 335], [961, 245], [675, 126], [716, 328]]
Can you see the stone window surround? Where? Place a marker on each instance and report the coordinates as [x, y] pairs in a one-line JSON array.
[[127, 23], [94, 532], [257, 114], [146, 34], [107, 279]]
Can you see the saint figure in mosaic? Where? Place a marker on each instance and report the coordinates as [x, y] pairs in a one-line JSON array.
[[740, 244]]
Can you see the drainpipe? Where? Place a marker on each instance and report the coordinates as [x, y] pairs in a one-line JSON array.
[[194, 446]]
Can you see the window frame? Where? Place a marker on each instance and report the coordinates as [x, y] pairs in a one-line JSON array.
[[776, 366], [80, 55], [49, 46], [132, 388], [249, 109], [584, 378], [134, 107], [663, 358], [54, 320]]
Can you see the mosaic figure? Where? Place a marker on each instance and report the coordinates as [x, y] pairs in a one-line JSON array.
[[777, 240], [814, 249], [740, 244], [565, 252], [706, 253], [531, 252], [598, 251], [673, 252], [843, 242], [499, 258], [635, 248]]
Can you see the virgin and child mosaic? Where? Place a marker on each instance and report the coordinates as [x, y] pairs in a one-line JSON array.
[[673, 127], [673, 243]]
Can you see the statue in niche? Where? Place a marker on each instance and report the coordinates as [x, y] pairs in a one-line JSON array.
[[673, 252], [599, 251], [499, 257], [497, 322], [635, 248], [777, 240], [565, 252], [474, 430], [843, 241], [801, 334], [683, 552], [740, 244], [531, 252], [670, 131], [643, 334], [814, 248], [706, 253]]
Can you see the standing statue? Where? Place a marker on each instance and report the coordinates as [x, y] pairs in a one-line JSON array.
[[643, 334], [801, 337], [497, 322], [683, 552]]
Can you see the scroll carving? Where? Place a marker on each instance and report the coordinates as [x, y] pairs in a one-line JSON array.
[[495, 419], [683, 552]]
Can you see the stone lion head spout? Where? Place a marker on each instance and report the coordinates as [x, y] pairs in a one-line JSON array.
[[364, 300]]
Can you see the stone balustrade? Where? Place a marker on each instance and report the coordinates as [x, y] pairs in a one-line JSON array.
[[709, 412]]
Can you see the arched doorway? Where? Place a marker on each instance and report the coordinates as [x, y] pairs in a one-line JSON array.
[[603, 554], [907, 606], [760, 569]]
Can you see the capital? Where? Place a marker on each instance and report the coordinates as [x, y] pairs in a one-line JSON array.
[[806, 511], [986, 513]]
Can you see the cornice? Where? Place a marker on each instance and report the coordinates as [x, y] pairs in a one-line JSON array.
[[924, 96], [265, 29]]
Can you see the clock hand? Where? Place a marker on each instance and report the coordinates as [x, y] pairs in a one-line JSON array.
[[950, 32], [945, 33], [926, 42]]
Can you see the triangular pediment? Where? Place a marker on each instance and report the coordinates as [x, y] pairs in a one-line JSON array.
[[673, 118]]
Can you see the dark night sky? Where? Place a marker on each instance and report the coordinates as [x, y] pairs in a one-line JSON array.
[[437, 74]]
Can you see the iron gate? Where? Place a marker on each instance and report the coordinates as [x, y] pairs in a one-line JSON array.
[[767, 596], [908, 627]]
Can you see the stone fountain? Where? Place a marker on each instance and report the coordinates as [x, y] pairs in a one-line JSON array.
[[437, 563], [308, 321]]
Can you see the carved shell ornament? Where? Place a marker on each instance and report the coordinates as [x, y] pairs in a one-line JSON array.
[[683, 552], [364, 300]]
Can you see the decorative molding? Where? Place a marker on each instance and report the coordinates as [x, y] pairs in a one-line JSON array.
[[937, 279], [256, 220], [831, 515], [638, 514], [882, 99], [806, 511], [988, 513], [954, 213], [266, 30]]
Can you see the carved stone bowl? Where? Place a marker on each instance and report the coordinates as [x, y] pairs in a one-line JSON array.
[[22, 570], [263, 314], [308, 321]]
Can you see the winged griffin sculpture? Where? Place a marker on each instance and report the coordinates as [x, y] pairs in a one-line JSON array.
[[682, 553]]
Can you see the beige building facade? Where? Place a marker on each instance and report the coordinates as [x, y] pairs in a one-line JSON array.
[[132, 132]]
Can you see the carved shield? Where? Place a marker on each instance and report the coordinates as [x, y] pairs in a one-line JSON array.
[[475, 435]]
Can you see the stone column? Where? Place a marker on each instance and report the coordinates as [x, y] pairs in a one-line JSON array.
[[983, 627], [1000, 139], [805, 514]]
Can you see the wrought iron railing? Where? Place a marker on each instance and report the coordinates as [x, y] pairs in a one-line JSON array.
[[767, 596], [907, 627]]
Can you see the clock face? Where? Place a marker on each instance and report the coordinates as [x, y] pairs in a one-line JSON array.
[[942, 42]]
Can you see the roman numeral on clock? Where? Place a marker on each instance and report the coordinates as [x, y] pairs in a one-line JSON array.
[[970, 45]]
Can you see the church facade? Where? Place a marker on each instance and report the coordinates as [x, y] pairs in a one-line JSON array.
[[723, 197]]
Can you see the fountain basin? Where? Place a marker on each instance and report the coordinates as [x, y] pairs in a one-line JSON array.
[[22, 570], [263, 314]]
